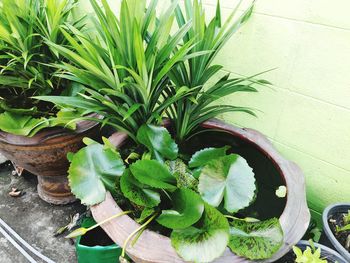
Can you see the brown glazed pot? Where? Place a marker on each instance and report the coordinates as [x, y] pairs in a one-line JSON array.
[[44, 155], [153, 247]]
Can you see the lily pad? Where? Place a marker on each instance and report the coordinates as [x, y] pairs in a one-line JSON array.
[[229, 178], [205, 241], [158, 141], [137, 192], [188, 209], [154, 174], [206, 155], [255, 240], [93, 170]]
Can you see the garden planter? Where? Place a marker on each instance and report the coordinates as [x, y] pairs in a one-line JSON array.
[[326, 253], [45, 156], [96, 246], [271, 170], [334, 211]]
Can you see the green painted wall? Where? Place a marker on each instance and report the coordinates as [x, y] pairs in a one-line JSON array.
[[307, 113]]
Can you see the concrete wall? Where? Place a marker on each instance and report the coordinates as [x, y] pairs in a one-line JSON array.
[[307, 113]]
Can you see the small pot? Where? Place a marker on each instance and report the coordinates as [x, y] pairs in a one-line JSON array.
[[96, 253], [45, 155], [294, 216], [327, 214], [326, 253]]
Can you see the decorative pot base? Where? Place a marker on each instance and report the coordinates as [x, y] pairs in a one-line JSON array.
[[45, 155], [55, 200]]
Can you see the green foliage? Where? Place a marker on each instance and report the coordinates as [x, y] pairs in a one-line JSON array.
[[187, 210], [202, 157], [197, 73], [165, 191], [21, 124], [93, 170], [25, 59], [182, 173], [255, 240], [310, 255], [229, 178], [346, 223], [205, 241], [138, 193], [125, 67], [154, 174], [158, 141]]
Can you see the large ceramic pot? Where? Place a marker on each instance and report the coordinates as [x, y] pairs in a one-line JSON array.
[[271, 171], [44, 155], [328, 213]]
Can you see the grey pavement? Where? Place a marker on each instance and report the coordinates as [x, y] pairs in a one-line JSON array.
[[34, 220]]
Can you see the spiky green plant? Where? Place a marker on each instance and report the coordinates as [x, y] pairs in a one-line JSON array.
[[125, 68], [198, 72], [25, 60]]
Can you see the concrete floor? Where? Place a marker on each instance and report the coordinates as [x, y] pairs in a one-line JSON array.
[[34, 220]]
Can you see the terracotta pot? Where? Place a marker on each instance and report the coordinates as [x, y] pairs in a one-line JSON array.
[[294, 215], [44, 155]]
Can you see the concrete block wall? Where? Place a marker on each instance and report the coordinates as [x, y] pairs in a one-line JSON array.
[[307, 112]]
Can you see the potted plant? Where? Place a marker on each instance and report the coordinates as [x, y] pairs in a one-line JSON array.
[[197, 195], [310, 252], [34, 134], [336, 226], [96, 246]]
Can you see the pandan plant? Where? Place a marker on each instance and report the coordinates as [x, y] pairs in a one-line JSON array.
[[128, 74], [124, 69], [26, 63], [201, 75], [135, 71]]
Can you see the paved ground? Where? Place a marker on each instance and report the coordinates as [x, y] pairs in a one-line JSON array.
[[33, 219]]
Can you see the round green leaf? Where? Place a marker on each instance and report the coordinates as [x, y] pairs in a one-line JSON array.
[[93, 170], [229, 178], [255, 240], [188, 209], [204, 242], [153, 173], [206, 155], [137, 192], [158, 141]]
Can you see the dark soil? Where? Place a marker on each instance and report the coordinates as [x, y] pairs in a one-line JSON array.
[[96, 237], [288, 258], [344, 236]]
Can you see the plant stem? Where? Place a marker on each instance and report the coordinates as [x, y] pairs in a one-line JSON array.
[[135, 232], [108, 219], [233, 217], [247, 219]]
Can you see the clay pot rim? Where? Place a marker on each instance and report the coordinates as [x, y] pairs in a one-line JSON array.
[[295, 208], [49, 134]]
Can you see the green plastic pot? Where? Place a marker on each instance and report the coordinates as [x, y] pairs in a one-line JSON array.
[[96, 254]]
